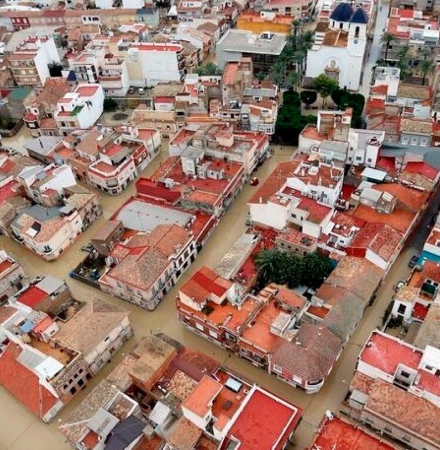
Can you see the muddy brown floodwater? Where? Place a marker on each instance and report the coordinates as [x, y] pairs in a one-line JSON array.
[[19, 430]]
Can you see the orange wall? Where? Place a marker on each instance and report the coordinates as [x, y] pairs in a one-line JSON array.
[[260, 27]]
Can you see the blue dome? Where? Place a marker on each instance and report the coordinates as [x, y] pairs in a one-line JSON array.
[[359, 16], [342, 13]]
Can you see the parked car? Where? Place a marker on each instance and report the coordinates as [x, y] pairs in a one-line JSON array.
[[87, 248], [413, 261], [131, 90], [254, 181], [399, 285], [141, 91]]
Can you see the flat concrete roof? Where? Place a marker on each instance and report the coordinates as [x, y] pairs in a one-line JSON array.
[[245, 41]]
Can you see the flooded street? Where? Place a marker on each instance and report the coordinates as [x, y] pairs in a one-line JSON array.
[[20, 430]]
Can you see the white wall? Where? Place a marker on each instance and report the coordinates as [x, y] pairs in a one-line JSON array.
[[199, 422], [269, 214], [158, 66], [349, 60]]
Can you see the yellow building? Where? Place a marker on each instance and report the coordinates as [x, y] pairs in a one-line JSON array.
[[265, 21]]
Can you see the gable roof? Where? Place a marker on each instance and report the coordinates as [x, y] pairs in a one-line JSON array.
[[125, 433], [343, 318], [24, 384], [90, 325], [311, 355]]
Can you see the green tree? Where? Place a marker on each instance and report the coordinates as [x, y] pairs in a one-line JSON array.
[[426, 67], [337, 96], [209, 69], [294, 79], [269, 266], [278, 72], [55, 69], [296, 24], [403, 60], [387, 39], [110, 104], [316, 269], [325, 86], [308, 97]]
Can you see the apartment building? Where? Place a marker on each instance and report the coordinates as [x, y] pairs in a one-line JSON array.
[[52, 345], [39, 112], [216, 412], [12, 277], [29, 62], [386, 392], [145, 267], [113, 76], [150, 63], [48, 232], [80, 109]]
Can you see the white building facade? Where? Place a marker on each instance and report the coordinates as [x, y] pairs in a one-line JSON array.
[[339, 51]]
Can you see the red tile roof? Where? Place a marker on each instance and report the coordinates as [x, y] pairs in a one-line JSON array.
[[201, 398], [380, 238], [317, 212], [422, 168], [32, 296], [265, 422], [417, 415], [23, 384], [387, 163], [337, 434], [386, 353], [86, 91], [311, 355], [412, 199], [149, 188], [400, 219], [205, 282], [6, 312], [275, 181]]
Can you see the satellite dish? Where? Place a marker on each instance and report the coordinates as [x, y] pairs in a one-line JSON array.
[[329, 415]]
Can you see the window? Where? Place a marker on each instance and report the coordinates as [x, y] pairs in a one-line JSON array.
[[199, 327], [404, 374], [277, 368], [356, 32], [213, 334], [401, 309], [429, 367]]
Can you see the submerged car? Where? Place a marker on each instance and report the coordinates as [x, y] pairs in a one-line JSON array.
[[254, 181], [413, 261]]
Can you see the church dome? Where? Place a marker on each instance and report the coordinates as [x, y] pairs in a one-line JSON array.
[[342, 13], [359, 16]]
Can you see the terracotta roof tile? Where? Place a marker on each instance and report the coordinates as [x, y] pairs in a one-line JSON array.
[[23, 384], [397, 406], [311, 355], [275, 181]]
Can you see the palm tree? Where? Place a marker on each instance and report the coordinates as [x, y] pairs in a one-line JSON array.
[[426, 67], [387, 39], [279, 72], [306, 40], [268, 265], [294, 38], [402, 60], [294, 80]]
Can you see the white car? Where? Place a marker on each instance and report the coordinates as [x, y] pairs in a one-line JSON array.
[[141, 91], [399, 285]]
